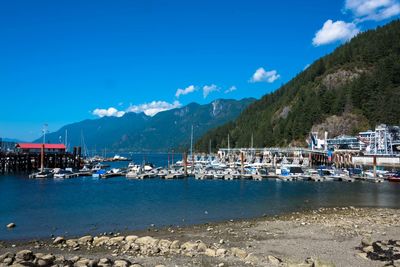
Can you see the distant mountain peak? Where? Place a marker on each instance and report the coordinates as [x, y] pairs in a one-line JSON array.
[[166, 130]]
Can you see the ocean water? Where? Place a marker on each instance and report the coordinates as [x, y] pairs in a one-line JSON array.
[[71, 207]]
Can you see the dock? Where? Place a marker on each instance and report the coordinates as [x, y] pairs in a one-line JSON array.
[[30, 161]]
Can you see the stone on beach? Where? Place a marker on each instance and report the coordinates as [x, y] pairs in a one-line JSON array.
[[274, 260], [164, 244], [59, 240], [237, 252], [85, 240], [221, 252], [25, 255], [131, 238], [115, 240], [147, 240], [121, 263], [6, 255], [189, 246], [210, 252], [11, 225], [366, 241], [176, 244], [73, 243], [99, 241]]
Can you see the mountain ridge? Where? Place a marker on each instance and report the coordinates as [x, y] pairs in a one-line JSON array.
[[166, 130]]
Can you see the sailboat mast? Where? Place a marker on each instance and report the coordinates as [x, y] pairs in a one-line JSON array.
[[66, 139], [229, 145], [191, 142]]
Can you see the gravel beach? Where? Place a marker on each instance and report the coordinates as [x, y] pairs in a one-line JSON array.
[[344, 236]]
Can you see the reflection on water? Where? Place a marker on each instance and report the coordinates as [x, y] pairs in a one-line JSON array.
[[86, 205]]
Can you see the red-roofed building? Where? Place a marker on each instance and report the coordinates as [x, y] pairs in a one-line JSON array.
[[36, 148]]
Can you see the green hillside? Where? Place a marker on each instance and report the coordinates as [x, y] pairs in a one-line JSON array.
[[352, 89]]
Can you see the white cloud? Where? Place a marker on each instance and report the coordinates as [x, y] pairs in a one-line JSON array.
[[373, 9], [187, 90], [207, 89], [110, 112], [230, 89], [261, 75], [335, 31], [154, 107], [306, 66], [150, 109]]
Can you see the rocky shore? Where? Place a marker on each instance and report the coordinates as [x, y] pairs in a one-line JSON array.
[[325, 237]]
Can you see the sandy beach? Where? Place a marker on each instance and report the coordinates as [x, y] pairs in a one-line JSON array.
[[324, 237]]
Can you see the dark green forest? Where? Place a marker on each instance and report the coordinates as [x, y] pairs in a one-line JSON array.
[[357, 87]]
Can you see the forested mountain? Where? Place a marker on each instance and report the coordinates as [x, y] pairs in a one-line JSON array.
[[138, 132], [352, 89]]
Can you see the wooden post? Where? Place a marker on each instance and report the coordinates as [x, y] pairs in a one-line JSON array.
[[185, 163], [42, 158], [242, 163], [374, 160]]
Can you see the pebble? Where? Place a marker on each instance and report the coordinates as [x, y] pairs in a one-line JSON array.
[[11, 225]]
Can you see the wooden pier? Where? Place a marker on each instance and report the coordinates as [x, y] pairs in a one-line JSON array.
[[27, 162]]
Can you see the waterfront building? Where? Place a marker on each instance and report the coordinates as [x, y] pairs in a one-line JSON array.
[[36, 148], [345, 142]]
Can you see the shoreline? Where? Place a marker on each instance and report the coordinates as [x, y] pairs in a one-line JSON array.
[[331, 236]]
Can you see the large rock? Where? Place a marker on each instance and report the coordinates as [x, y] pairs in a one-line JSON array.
[[25, 255], [147, 240], [99, 241]]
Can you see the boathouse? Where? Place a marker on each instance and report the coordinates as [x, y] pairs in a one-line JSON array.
[[36, 148]]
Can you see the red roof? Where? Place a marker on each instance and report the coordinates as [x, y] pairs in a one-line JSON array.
[[39, 146]]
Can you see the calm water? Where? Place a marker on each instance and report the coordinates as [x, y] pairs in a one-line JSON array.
[[85, 205]]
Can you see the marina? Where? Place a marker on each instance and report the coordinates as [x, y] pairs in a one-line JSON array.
[[91, 205]]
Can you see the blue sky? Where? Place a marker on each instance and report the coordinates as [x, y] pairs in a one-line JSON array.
[[65, 61]]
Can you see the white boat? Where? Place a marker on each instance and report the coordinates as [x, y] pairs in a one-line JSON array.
[[63, 174], [119, 158], [97, 167], [42, 174]]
